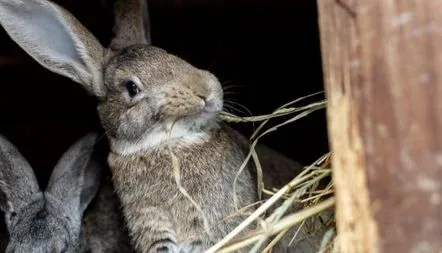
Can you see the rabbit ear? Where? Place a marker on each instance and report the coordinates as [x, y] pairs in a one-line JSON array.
[[55, 39], [76, 177], [17, 180], [132, 23]]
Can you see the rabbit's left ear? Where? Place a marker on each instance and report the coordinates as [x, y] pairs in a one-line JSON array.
[[56, 40], [18, 184], [76, 177]]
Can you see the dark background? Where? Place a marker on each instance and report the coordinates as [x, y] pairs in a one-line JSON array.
[[268, 50]]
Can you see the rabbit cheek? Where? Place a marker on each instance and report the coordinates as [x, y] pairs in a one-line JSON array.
[[109, 113], [125, 122], [135, 122]]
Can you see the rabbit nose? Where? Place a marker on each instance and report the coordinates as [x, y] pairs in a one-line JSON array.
[[202, 97], [202, 93], [201, 90], [205, 102]]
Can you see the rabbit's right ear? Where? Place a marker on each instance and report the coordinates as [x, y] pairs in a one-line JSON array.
[[132, 24], [55, 39], [17, 180], [76, 177]]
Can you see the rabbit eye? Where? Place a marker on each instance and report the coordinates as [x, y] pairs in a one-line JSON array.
[[131, 88]]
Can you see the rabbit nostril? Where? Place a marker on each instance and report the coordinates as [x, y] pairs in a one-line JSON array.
[[202, 97]]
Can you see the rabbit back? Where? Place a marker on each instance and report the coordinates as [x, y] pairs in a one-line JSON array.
[[103, 223]]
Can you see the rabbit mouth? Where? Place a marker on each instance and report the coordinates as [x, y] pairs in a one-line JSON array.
[[212, 105]]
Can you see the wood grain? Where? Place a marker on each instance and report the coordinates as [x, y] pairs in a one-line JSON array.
[[382, 61]]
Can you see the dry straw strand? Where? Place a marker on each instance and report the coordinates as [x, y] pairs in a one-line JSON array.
[[303, 114], [306, 174], [177, 175], [278, 223], [287, 222]]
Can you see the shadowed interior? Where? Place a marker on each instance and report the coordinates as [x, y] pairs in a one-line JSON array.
[[266, 52]]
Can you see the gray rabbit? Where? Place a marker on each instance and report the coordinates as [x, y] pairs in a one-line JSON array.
[[160, 115], [52, 220]]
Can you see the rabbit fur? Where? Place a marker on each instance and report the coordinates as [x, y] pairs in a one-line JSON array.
[[159, 112], [52, 220]]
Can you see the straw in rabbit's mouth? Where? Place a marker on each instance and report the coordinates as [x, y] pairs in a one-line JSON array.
[[280, 220], [176, 170]]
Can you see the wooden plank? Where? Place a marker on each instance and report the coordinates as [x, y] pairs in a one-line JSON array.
[[381, 63], [340, 53]]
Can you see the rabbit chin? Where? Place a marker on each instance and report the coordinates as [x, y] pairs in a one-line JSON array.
[[182, 132]]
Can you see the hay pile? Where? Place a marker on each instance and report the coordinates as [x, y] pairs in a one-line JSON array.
[[275, 225]]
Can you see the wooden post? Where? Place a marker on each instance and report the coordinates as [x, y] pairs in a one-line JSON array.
[[382, 63]]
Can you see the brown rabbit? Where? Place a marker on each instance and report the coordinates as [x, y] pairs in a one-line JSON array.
[[159, 113]]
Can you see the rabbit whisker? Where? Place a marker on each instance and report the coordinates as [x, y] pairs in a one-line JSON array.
[[241, 108], [232, 109], [229, 87]]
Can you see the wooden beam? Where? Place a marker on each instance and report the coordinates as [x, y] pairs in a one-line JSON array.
[[382, 63]]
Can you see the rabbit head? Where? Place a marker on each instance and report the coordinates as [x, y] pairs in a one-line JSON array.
[[149, 90], [142, 90], [50, 220]]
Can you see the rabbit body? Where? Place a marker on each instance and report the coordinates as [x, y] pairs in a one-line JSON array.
[[152, 202], [52, 220], [173, 111]]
